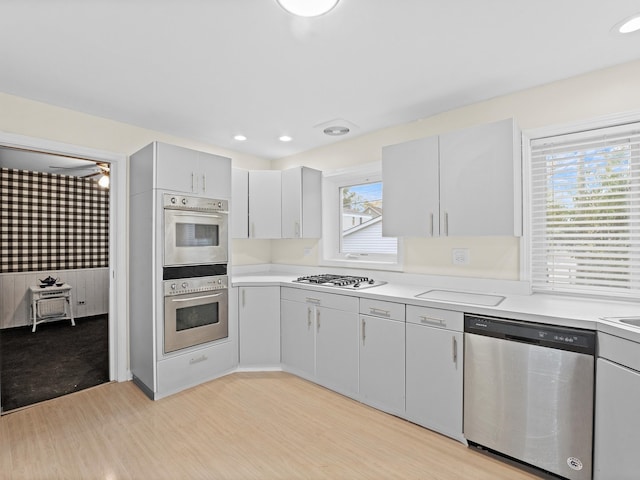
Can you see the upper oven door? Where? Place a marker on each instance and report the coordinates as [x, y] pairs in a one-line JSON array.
[[194, 238]]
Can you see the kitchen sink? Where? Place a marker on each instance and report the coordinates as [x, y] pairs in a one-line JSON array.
[[632, 321], [635, 321], [462, 297]]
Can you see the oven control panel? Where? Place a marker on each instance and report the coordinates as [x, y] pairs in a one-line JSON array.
[[196, 204], [181, 286]]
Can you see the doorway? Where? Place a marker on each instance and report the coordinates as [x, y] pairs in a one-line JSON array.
[[106, 323]]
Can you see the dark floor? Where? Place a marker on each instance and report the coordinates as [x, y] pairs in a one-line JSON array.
[[55, 360]]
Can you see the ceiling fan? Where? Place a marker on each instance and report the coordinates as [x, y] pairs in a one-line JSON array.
[[94, 169]]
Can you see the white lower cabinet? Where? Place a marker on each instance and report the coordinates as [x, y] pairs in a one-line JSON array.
[[617, 422], [434, 367], [259, 324], [319, 335], [382, 363]]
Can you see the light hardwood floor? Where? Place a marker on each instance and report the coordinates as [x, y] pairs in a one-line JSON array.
[[243, 426]]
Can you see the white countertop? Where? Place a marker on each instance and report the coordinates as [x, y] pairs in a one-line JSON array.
[[578, 312]]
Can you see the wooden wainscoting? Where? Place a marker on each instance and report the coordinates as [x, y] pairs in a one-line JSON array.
[[90, 286]]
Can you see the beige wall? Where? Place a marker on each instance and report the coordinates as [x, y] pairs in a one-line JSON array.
[[39, 120], [597, 94]]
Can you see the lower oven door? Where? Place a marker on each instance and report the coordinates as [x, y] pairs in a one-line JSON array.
[[195, 318]]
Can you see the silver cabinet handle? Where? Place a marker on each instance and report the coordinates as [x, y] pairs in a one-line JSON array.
[[455, 350], [315, 301], [379, 311], [243, 297], [308, 318], [446, 223], [317, 320], [364, 326], [192, 185], [297, 229], [204, 182], [431, 228], [438, 322]]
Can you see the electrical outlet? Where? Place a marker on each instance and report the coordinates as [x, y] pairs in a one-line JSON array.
[[460, 256], [307, 251], [80, 302]]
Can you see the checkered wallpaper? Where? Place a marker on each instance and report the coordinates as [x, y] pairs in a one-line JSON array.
[[52, 222]]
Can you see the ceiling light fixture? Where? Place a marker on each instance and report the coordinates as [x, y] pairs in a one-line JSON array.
[[629, 25], [307, 8], [285, 138], [104, 181], [240, 138]]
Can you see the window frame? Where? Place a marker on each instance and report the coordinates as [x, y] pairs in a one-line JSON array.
[[526, 253], [331, 221]]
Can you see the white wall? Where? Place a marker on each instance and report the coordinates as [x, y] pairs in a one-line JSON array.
[[597, 94]]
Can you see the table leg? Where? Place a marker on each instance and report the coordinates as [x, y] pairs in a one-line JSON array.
[[33, 315]]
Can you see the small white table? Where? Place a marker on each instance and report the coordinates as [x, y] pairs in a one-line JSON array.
[[51, 303]]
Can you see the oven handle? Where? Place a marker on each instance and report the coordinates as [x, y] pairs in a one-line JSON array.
[[191, 213], [194, 298]]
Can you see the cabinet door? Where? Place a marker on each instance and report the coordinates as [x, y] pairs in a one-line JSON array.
[[301, 203], [240, 203], [264, 204], [434, 379], [480, 179], [617, 423], [176, 168], [337, 349], [259, 326], [382, 360], [214, 175], [297, 337], [410, 189]]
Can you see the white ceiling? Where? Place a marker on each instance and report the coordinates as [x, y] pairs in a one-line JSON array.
[[208, 69]]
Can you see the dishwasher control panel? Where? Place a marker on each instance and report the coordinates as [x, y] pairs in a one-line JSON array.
[[552, 336]]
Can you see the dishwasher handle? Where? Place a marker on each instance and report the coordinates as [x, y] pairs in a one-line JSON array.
[[517, 338]]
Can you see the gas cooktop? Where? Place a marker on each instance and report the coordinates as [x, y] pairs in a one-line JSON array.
[[341, 281]]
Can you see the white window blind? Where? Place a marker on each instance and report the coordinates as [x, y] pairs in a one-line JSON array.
[[585, 212]]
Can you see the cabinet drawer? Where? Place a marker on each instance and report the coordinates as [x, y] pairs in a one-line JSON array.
[[380, 308], [619, 350], [192, 368], [321, 299], [436, 317]]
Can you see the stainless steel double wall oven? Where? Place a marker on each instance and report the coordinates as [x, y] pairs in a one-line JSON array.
[[195, 283]]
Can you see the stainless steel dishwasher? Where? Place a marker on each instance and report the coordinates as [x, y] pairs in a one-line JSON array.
[[528, 393]]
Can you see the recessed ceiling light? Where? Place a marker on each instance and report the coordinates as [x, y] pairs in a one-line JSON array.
[[285, 138], [336, 130], [629, 25], [240, 138], [307, 8]]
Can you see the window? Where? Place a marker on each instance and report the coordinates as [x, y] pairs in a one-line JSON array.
[[361, 221], [352, 223], [585, 212]]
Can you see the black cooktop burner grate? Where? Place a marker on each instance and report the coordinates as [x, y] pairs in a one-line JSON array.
[[332, 280]]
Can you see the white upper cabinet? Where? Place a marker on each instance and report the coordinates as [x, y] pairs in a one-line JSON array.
[[480, 180], [411, 189], [239, 203], [183, 170], [265, 217], [301, 203], [472, 175]]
